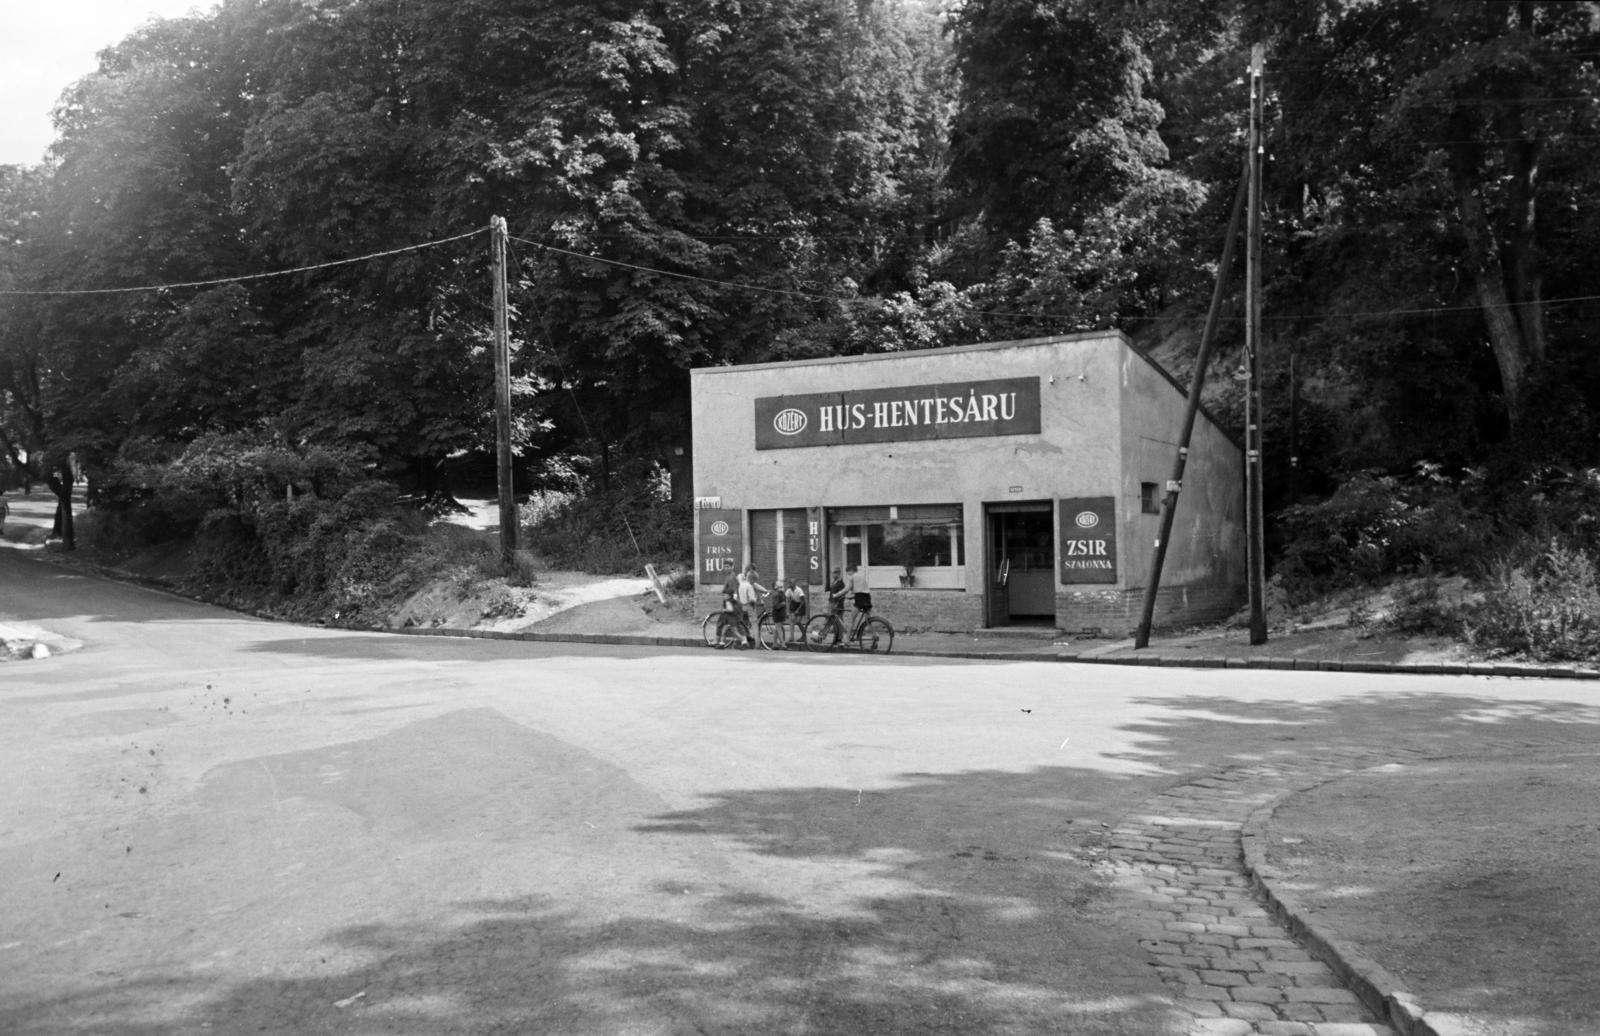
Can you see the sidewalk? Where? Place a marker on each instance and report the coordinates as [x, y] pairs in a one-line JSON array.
[[1326, 649]]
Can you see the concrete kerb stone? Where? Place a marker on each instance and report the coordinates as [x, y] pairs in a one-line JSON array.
[[1383, 993], [1075, 657]]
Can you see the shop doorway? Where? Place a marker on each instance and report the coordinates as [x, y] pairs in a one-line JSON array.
[[1021, 562]]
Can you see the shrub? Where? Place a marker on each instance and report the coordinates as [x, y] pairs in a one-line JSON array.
[[1376, 525], [521, 570], [1551, 503], [1547, 607], [1422, 608], [148, 498], [348, 559], [229, 557], [616, 532]]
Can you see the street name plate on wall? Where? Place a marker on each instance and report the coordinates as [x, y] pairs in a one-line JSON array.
[[1089, 540], [954, 410], [720, 537]]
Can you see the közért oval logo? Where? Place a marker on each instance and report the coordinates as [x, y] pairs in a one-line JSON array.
[[789, 422], [719, 528], [1087, 519]]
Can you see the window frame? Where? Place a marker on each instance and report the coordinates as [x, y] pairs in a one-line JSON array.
[[850, 539]]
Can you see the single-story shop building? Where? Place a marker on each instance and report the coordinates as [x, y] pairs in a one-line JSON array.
[[1004, 484]]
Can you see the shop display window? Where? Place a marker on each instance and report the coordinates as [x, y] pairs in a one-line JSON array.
[[921, 546]]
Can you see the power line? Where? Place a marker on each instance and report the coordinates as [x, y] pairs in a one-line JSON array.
[[745, 286], [844, 300], [839, 299], [247, 276], [1453, 104], [681, 276], [1376, 313]]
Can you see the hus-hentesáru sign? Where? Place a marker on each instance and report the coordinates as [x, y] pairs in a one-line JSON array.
[[957, 410]]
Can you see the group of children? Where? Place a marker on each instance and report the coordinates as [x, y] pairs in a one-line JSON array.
[[786, 602], [744, 595]]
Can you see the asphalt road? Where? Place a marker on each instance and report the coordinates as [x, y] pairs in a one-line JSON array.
[[212, 823]]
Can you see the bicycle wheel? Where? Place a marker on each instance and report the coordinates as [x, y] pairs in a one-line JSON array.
[[728, 634], [877, 635], [711, 629], [821, 633], [767, 631]]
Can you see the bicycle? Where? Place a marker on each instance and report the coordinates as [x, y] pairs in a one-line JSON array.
[[711, 627], [768, 630], [868, 633], [724, 629]]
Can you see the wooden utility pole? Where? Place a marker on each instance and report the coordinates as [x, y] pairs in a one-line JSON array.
[[1169, 504], [1254, 513], [502, 390], [1294, 424]]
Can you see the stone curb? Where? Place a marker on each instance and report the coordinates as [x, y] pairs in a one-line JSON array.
[[1159, 660], [1383, 993]]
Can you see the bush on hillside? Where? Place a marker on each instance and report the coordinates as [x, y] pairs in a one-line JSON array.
[[1550, 503], [1544, 606], [609, 532], [1423, 608], [347, 558], [147, 498], [1378, 525]]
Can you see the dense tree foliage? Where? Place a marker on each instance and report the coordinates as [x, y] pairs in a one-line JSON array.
[[695, 182], [1445, 141]]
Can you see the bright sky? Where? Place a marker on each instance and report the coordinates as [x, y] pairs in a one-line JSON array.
[[46, 46]]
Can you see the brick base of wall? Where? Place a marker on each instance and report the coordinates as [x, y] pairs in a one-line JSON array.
[[1109, 612], [940, 610], [1117, 612], [946, 611]]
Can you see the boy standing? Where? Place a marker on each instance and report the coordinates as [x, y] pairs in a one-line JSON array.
[[860, 590]]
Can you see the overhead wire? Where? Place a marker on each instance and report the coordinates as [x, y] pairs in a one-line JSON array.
[[1046, 316], [1038, 316], [815, 297], [682, 276], [213, 282]]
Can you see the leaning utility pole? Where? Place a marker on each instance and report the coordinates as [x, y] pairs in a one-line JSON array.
[[502, 390], [1169, 504], [1254, 515]]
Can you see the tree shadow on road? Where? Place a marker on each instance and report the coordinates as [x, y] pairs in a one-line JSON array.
[[955, 904], [959, 902]]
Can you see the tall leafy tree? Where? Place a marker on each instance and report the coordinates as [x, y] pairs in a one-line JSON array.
[[24, 376], [139, 196], [757, 147], [1475, 101], [1053, 121], [340, 158]]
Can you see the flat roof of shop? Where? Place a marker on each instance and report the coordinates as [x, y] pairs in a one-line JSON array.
[[1113, 334], [946, 350]]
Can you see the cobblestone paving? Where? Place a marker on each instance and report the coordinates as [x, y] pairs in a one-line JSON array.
[[1179, 864], [1229, 963]]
